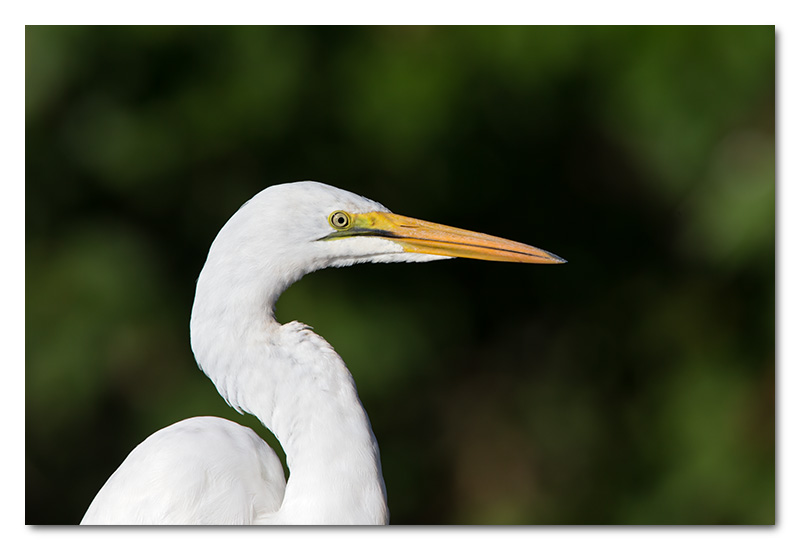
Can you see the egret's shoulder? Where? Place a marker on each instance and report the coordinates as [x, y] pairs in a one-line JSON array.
[[203, 470]]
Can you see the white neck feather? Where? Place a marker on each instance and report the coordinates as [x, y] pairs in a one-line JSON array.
[[298, 387]]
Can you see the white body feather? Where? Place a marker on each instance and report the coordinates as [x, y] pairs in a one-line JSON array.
[[217, 472]]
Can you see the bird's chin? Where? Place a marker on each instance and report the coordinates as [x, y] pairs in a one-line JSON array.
[[412, 257], [388, 258]]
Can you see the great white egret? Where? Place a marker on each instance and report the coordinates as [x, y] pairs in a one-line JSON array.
[[209, 470]]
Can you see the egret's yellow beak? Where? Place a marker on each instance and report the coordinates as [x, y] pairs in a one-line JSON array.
[[423, 237]]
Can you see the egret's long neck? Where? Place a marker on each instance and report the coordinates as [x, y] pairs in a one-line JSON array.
[[298, 387]]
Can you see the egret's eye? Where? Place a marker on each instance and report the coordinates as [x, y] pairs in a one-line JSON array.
[[340, 219]]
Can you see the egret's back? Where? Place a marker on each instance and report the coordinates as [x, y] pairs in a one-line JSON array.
[[204, 470]]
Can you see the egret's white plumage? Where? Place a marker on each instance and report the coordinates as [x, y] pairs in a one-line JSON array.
[[212, 471]]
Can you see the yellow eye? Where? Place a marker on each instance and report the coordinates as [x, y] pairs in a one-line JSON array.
[[340, 219]]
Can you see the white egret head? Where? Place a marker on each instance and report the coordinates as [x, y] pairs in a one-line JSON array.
[[296, 228]]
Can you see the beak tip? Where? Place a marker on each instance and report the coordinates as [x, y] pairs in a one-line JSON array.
[[554, 259]]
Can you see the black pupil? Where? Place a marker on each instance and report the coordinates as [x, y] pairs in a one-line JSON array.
[[340, 220]]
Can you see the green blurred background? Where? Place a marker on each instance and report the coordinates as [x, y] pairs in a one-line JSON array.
[[634, 384]]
